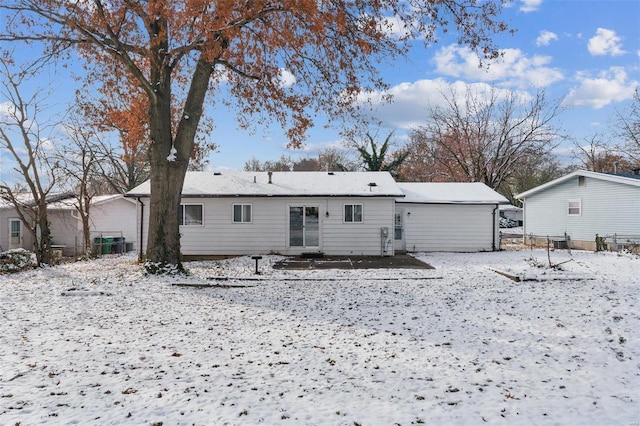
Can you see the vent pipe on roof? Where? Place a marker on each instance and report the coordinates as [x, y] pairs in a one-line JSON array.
[[270, 174]]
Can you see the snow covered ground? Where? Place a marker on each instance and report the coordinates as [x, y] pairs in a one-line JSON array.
[[99, 343]]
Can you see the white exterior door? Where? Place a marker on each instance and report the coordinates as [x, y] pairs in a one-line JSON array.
[[304, 226], [15, 233], [398, 231]]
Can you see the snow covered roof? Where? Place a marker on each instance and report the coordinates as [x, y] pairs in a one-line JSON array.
[[283, 184], [509, 207], [623, 179], [69, 203], [26, 199], [449, 193]]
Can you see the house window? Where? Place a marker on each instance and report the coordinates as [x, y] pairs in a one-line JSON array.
[[581, 181], [190, 215], [242, 213], [353, 213], [574, 208]]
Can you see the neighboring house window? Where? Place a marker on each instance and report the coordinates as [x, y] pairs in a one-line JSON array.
[[581, 181], [353, 212], [242, 213], [574, 208], [190, 215]]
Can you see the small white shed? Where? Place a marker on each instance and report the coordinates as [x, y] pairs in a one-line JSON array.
[[450, 217]]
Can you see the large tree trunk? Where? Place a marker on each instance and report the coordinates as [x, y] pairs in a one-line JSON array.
[[169, 158]]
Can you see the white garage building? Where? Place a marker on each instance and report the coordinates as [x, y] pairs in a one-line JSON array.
[[450, 217]]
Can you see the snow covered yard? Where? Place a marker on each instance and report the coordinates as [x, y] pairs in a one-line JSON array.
[[459, 344]]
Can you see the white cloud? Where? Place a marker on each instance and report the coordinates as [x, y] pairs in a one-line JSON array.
[[605, 42], [530, 5], [395, 27], [545, 38], [597, 92], [412, 100], [513, 69], [7, 109], [286, 78]]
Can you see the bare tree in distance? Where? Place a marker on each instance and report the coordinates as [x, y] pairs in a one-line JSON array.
[[283, 164], [483, 137], [627, 128], [596, 155], [80, 172], [178, 52], [531, 172], [327, 160]]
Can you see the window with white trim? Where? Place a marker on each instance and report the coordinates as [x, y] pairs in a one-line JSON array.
[[574, 207], [242, 213], [190, 215], [353, 213]]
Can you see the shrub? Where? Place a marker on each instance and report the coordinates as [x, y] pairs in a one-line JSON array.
[[16, 260]]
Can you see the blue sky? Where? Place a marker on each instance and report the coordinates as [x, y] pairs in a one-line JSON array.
[[587, 52]]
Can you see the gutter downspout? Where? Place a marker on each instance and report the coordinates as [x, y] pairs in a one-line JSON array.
[[493, 240], [524, 222], [140, 256]]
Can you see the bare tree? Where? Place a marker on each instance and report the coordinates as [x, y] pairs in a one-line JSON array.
[[284, 164], [627, 128], [598, 156], [79, 162], [330, 159], [531, 172], [336, 160], [21, 135], [482, 138]]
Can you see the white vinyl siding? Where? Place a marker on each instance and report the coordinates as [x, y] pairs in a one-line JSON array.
[[449, 227], [268, 230], [606, 208]]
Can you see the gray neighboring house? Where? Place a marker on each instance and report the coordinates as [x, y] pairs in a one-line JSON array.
[[450, 217], [13, 234], [583, 204]]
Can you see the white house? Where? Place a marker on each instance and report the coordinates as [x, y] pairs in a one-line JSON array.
[[111, 218], [583, 204], [292, 213], [455, 217]]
